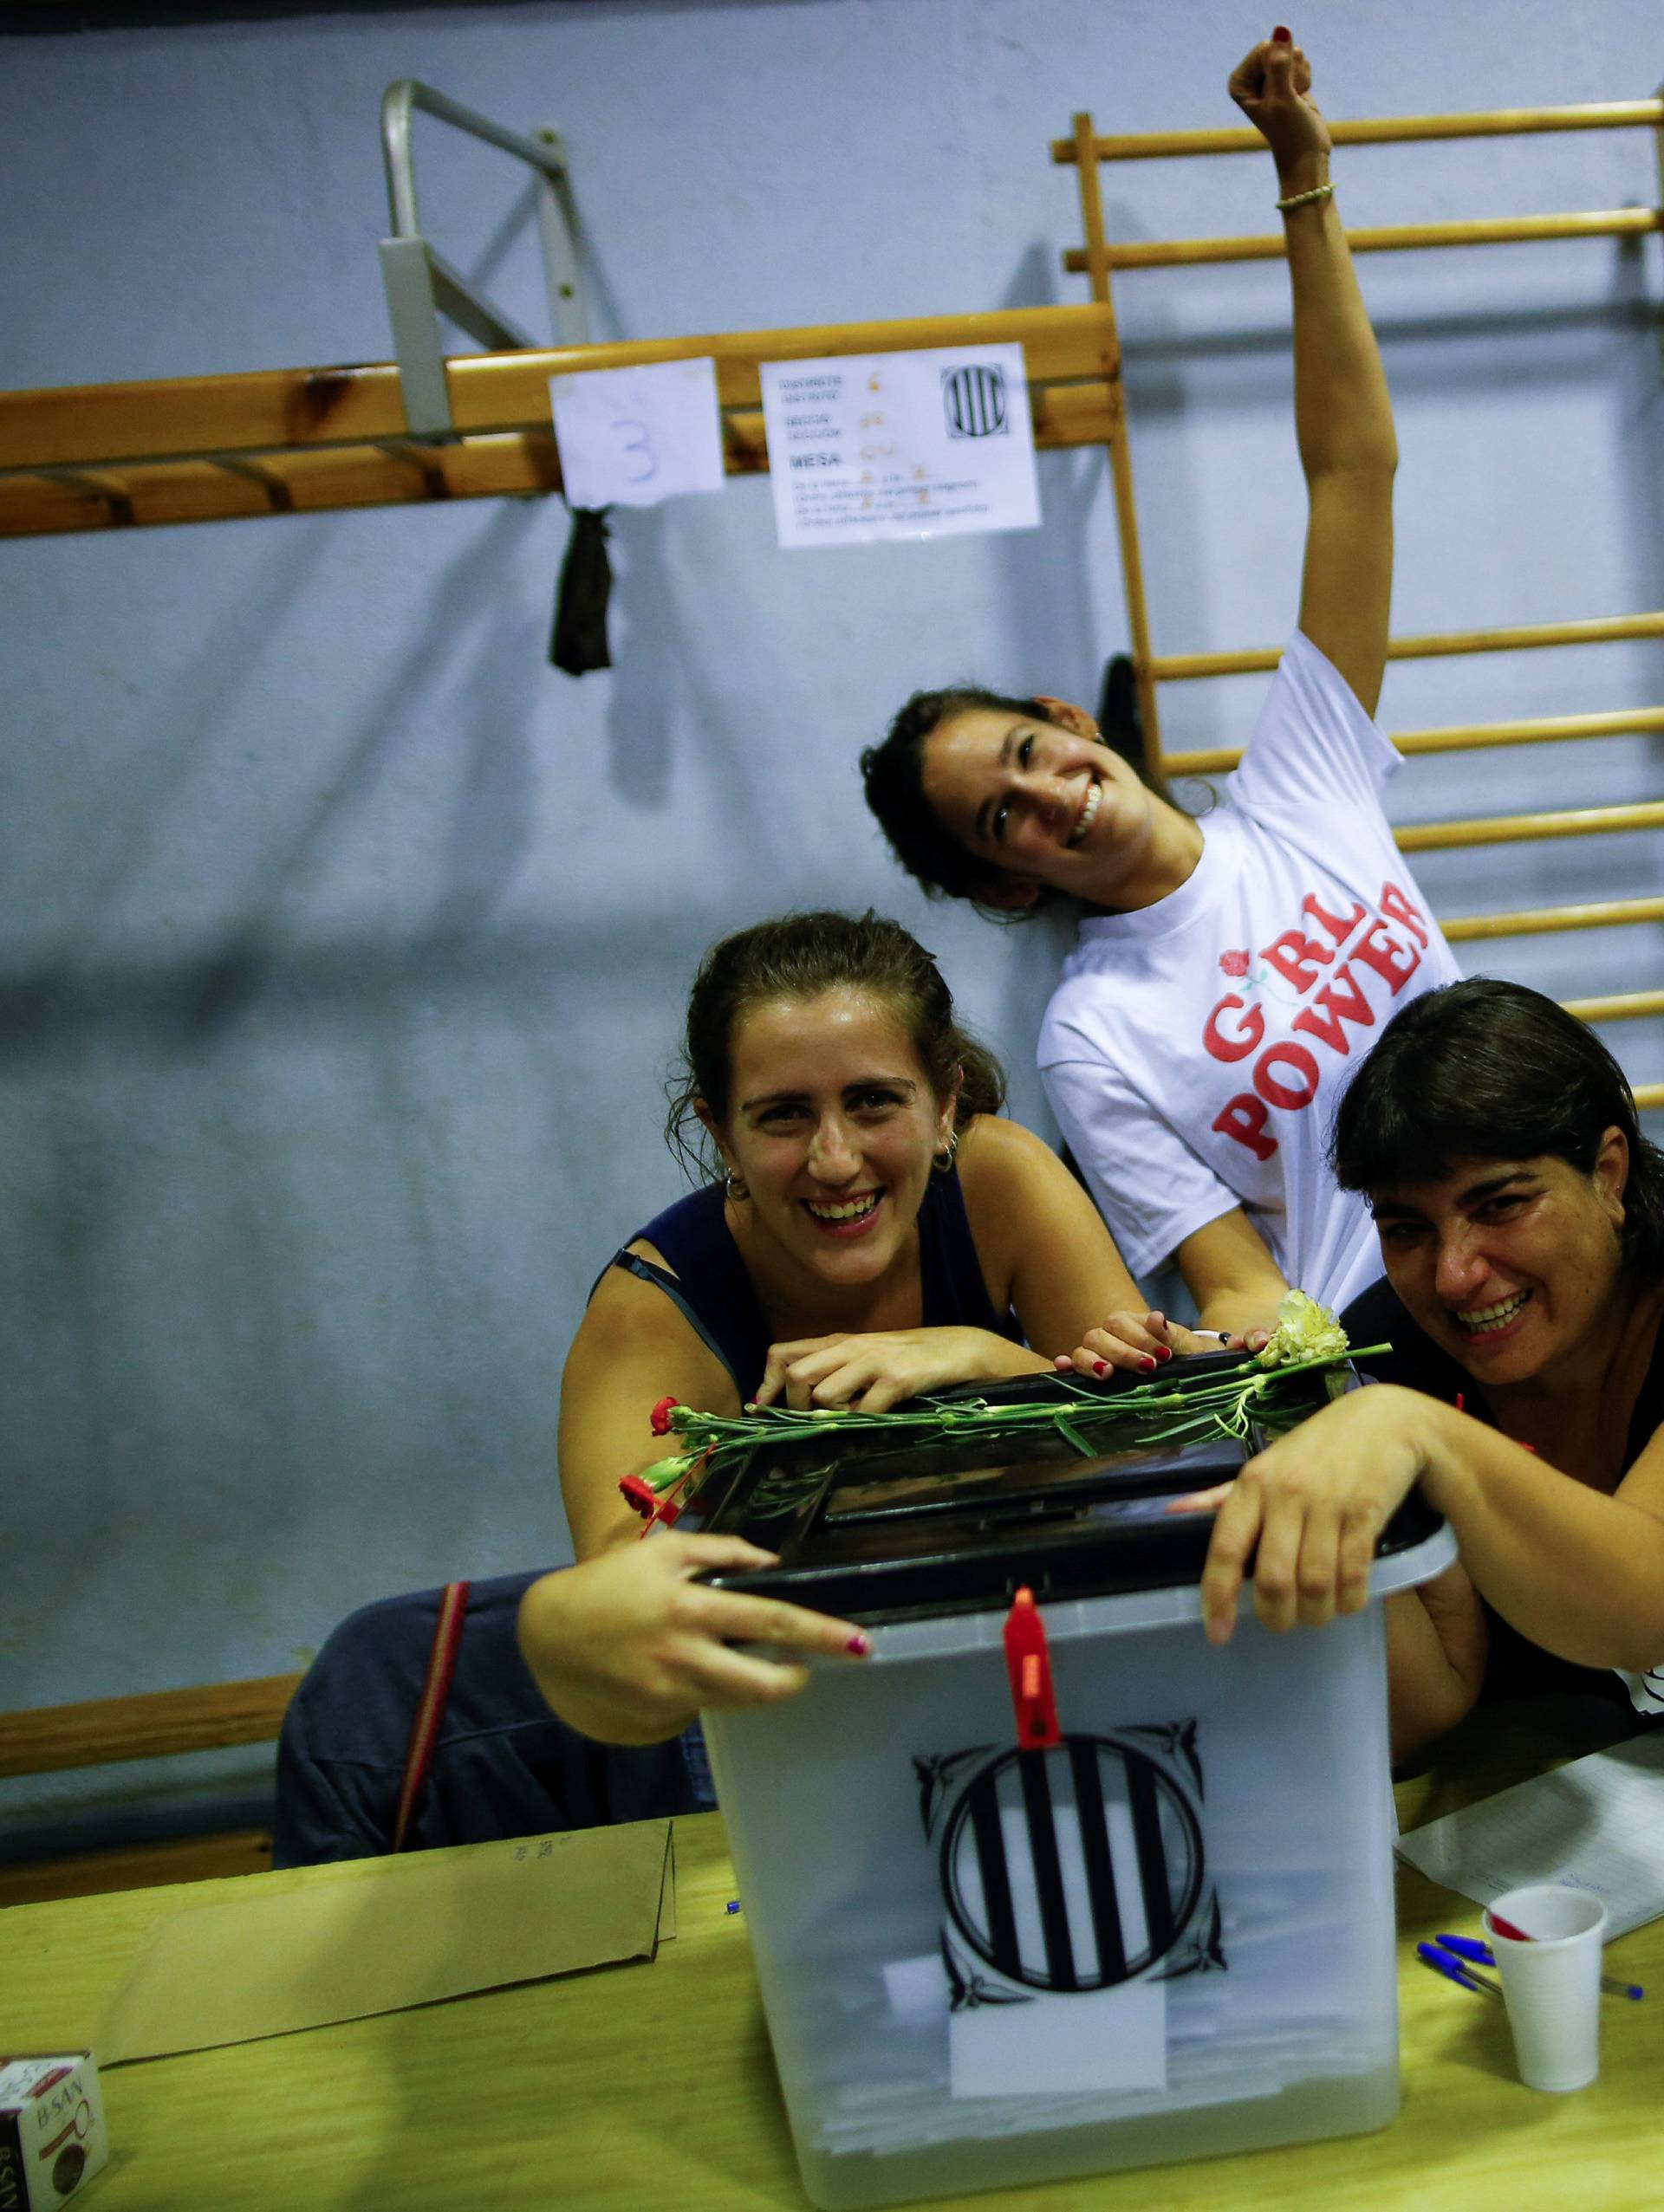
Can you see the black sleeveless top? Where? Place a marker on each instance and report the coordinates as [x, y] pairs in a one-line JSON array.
[[708, 1281], [1515, 1667]]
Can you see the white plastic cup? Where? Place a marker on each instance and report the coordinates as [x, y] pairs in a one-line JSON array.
[[1552, 1984]]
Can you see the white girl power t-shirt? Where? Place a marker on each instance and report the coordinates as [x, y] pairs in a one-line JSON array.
[[1195, 1051]]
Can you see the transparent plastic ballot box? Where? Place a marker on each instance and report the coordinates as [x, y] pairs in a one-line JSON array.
[[1166, 1935]]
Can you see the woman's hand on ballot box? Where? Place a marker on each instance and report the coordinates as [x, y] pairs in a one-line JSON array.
[[1305, 1514], [872, 1371], [628, 1646], [1139, 1343]]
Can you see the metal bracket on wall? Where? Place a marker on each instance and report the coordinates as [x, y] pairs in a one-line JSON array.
[[421, 285]]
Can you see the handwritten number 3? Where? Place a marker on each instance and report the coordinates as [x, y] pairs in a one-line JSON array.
[[642, 444]]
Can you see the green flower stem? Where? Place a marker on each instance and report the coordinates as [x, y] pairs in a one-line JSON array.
[[1219, 1405]]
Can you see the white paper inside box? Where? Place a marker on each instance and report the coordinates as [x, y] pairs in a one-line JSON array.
[[52, 2139]]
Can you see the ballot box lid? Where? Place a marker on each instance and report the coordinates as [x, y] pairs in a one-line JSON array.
[[877, 1527]]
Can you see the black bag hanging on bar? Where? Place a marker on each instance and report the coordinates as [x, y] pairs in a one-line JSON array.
[[577, 642]]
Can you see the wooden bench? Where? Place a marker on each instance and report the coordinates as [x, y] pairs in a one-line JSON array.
[[160, 1724]]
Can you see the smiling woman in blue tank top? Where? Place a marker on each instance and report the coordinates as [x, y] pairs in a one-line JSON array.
[[877, 1230]]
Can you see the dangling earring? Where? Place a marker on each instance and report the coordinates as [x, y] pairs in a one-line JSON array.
[[942, 1161], [735, 1186]]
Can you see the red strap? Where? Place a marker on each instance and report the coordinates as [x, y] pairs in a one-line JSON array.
[[430, 1709]]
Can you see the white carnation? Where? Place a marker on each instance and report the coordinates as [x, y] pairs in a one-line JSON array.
[[1305, 1330]]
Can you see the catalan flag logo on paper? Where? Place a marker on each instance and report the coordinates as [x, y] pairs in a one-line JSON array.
[[974, 400]]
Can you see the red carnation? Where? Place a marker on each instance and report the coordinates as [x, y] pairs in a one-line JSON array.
[[1234, 963], [640, 1494], [660, 1416]]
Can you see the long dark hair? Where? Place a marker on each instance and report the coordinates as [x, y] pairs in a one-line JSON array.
[[892, 772], [1485, 1070], [800, 956]]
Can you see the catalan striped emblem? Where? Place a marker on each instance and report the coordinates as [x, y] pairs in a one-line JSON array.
[[1071, 1870], [974, 399]]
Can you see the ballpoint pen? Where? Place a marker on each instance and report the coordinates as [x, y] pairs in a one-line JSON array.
[[1468, 1948], [1457, 1971]]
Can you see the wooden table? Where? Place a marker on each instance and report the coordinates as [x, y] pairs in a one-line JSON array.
[[651, 2086]]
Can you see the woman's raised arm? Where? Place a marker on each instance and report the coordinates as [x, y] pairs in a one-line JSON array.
[[1344, 415]]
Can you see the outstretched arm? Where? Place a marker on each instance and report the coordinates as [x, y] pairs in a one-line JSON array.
[[628, 1645], [1344, 415], [1577, 1571]]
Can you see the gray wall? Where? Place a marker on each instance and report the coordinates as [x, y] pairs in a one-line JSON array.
[[344, 941]]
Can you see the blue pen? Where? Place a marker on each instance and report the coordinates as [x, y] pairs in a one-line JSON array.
[[1455, 1970], [1466, 1947]]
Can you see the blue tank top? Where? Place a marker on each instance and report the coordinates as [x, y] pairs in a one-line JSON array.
[[711, 1288]]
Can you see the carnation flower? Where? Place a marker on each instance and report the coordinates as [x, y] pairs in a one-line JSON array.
[[660, 1416], [1305, 1330]]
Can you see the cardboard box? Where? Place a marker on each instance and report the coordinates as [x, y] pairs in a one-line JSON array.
[[52, 2138]]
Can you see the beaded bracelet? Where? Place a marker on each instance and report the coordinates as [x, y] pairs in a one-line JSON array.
[[1305, 199]]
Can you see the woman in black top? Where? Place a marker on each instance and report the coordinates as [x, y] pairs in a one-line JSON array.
[[879, 1230], [1521, 1216]]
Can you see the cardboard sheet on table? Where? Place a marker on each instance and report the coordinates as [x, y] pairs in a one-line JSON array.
[[404, 1931]]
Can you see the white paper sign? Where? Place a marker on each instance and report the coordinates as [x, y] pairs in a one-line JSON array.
[[924, 444], [632, 436]]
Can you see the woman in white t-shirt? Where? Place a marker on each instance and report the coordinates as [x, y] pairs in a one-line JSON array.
[[1228, 976]]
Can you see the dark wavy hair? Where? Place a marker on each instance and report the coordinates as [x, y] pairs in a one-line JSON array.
[[1487, 1070], [800, 956], [893, 773]]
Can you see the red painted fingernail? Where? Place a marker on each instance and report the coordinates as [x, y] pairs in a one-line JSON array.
[[1164, 1352], [1146, 1362], [1100, 1366], [859, 1644], [1283, 36]]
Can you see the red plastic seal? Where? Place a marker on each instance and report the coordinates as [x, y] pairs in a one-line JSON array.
[[1028, 1661]]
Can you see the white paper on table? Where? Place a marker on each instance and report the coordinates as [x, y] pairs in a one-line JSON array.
[[633, 436], [1596, 1824], [931, 444]]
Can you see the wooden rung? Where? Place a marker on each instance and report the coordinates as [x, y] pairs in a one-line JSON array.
[[1459, 737], [1517, 829], [265, 411], [1543, 731], [1179, 668], [1647, 1095], [1380, 130], [156, 1725], [1394, 237], [1535, 921], [268, 481], [1624, 1006]]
